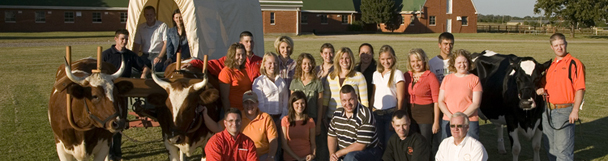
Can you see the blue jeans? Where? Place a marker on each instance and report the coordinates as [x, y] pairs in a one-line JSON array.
[[558, 143], [321, 141], [383, 127], [473, 129], [368, 154]]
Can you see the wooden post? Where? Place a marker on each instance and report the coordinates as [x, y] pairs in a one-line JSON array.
[[68, 58], [178, 62], [98, 70], [205, 63]]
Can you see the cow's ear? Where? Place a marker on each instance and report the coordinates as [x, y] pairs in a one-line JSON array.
[[209, 95], [76, 91], [157, 99], [124, 86]]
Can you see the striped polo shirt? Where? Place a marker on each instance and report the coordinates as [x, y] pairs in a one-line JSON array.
[[359, 128]]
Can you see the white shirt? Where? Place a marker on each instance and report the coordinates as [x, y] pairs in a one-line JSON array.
[[468, 149], [439, 67], [151, 38], [385, 97], [272, 96]]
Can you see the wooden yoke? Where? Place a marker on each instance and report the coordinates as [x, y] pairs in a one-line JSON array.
[[98, 70], [178, 62], [205, 57]]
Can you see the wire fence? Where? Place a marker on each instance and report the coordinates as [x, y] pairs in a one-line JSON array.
[[522, 29]]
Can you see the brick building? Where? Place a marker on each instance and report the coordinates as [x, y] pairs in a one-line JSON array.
[[62, 15], [279, 16]]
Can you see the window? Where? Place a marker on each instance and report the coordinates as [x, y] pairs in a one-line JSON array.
[[448, 5], [465, 21], [96, 17], [323, 19], [432, 20], [10, 16], [402, 19], [123, 17], [344, 19], [40, 16], [272, 18], [304, 19], [68, 17], [412, 20]]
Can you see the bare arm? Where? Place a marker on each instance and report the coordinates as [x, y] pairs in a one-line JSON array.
[[436, 118], [578, 100], [332, 146], [351, 148], [371, 101], [442, 106], [320, 114], [272, 150], [313, 142], [286, 147], [475, 105], [400, 95], [213, 126], [144, 72], [162, 53], [225, 93]]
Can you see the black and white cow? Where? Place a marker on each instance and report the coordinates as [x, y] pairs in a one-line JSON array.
[[509, 83]]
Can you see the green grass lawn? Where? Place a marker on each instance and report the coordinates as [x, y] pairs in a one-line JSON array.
[[27, 73]]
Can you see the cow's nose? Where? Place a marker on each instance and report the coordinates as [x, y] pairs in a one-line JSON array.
[[175, 139], [117, 124]]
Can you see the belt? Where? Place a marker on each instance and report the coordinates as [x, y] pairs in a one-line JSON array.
[[383, 112], [558, 106]]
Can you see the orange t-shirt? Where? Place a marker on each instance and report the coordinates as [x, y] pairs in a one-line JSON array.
[[458, 93], [239, 84], [560, 89], [261, 130], [298, 137]]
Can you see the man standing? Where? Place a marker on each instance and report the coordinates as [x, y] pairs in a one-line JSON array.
[[564, 94], [230, 144], [405, 146], [114, 56], [439, 64], [460, 146], [151, 38], [252, 63], [352, 130]]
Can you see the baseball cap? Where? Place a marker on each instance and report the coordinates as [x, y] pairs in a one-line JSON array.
[[250, 95]]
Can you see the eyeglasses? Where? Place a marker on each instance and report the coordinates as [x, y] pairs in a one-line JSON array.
[[457, 126]]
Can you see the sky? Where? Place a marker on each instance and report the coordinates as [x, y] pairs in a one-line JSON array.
[[519, 8]]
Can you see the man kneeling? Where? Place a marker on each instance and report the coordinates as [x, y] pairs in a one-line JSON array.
[[460, 146], [231, 144], [405, 146], [352, 129]]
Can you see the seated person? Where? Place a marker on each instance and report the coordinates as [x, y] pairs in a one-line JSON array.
[[405, 146], [298, 130], [352, 130], [231, 144], [460, 146], [257, 125]]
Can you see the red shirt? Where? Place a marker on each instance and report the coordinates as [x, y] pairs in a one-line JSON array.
[[560, 89], [223, 147], [425, 91], [214, 67]]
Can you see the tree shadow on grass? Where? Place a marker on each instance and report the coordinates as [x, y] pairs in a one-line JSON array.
[[598, 37], [590, 142]]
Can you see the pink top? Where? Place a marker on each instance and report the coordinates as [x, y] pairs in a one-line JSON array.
[[425, 91], [458, 93], [298, 137]]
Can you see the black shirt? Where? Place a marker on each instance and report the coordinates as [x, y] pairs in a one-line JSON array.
[[114, 57], [369, 76], [413, 148]]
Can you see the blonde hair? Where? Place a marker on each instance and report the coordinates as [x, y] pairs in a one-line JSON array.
[[420, 54], [337, 68], [387, 49], [283, 39], [264, 59], [455, 54]]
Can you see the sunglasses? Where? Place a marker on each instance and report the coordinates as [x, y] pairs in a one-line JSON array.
[[457, 126]]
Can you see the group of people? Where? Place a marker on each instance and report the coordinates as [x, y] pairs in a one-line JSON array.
[[278, 108]]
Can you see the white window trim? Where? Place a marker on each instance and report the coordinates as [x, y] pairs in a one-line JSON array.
[[15, 14], [347, 19], [100, 17], [326, 17], [73, 17], [435, 21], [35, 18], [273, 16], [119, 18], [412, 18]]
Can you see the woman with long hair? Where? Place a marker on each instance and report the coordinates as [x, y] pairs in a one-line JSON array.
[[271, 88], [344, 73], [284, 47], [327, 53], [233, 78], [177, 41], [298, 130], [388, 92]]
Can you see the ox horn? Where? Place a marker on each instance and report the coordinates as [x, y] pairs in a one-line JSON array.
[[159, 82], [202, 84], [121, 69], [71, 76]]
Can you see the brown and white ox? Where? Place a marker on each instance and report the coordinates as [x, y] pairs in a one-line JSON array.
[[180, 116], [86, 128]]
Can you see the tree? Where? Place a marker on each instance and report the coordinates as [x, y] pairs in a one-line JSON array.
[[573, 12], [378, 11]]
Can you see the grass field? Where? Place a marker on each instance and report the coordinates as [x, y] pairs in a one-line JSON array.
[[30, 60]]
